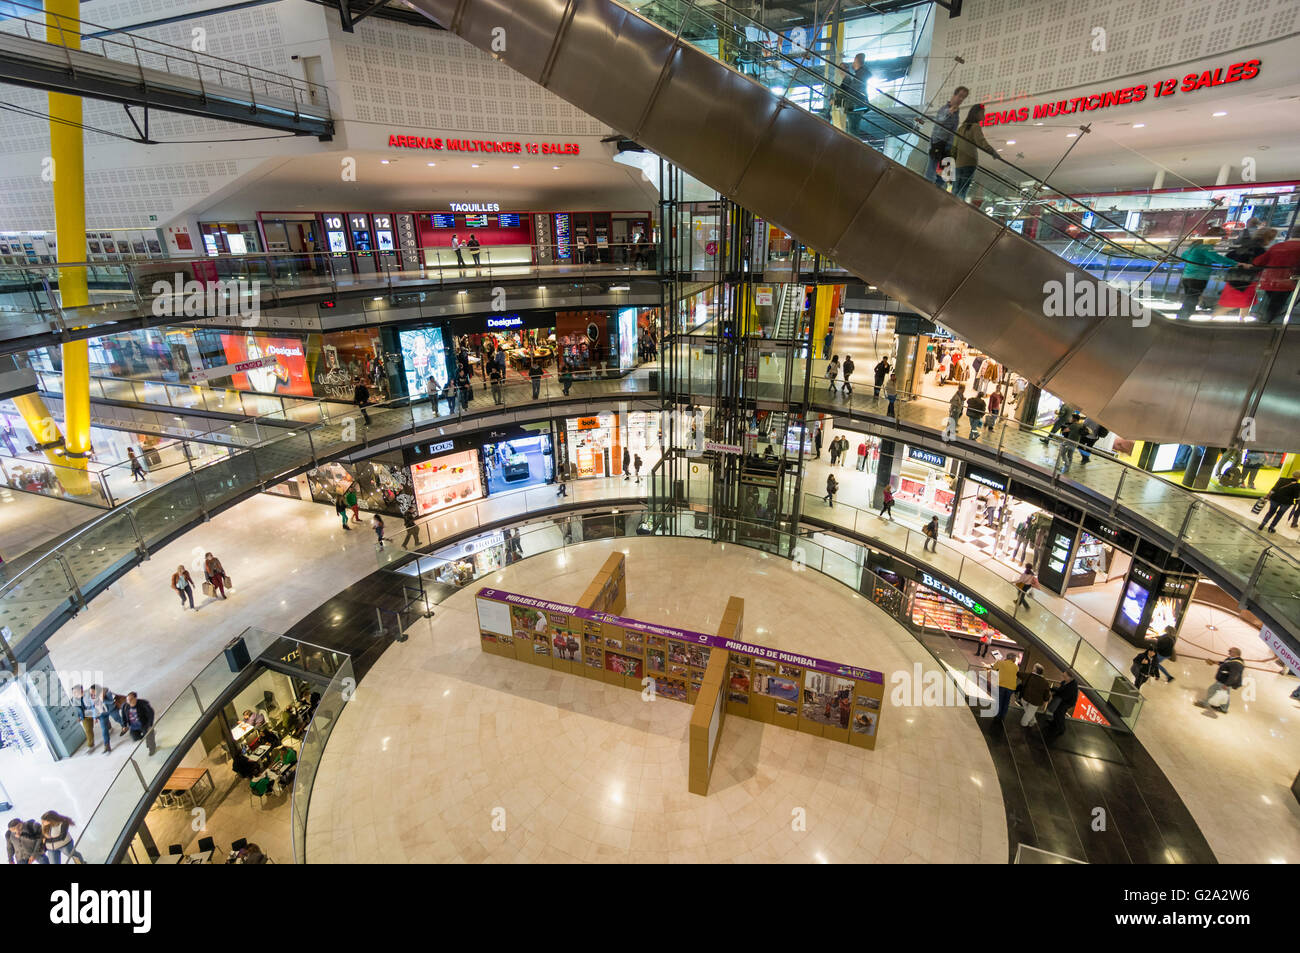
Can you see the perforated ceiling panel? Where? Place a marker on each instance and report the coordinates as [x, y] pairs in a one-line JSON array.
[[995, 37]]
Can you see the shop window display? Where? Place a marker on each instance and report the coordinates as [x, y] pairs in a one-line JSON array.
[[595, 447], [518, 462], [423, 355], [445, 481], [380, 487], [339, 358]]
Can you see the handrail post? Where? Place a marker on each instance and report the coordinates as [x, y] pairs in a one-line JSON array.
[[1114, 500], [73, 587], [139, 537], [1253, 581], [1182, 530]]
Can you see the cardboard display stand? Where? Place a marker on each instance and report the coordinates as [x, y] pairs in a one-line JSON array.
[[607, 592]]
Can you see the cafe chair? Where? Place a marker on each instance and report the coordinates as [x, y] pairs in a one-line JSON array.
[[175, 849], [259, 788], [239, 844], [207, 843]]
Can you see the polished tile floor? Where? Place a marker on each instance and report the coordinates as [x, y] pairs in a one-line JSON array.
[[439, 734]]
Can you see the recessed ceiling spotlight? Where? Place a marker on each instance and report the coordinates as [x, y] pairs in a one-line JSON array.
[[474, 165], [514, 167], [431, 164], [1071, 135], [1220, 113], [555, 167], [1139, 125], [383, 162], [1011, 142], [1038, 124]]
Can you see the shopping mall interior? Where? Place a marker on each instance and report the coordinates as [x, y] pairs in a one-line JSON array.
[[464, 432]]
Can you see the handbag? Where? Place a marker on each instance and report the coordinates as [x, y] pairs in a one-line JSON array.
[[1218, 698], [1259, 505]]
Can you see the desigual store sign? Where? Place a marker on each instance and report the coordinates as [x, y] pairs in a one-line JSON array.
[[1161, 89], [438, 144]]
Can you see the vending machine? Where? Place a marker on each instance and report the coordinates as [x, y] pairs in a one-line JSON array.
[[336, 239], [386, 242], [363, 243]]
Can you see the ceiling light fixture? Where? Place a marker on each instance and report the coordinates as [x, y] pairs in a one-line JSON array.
[[514, 167], [1220, 113], [474, 165], [555, 167], [1011, 142], [431, 164], [1139, 125], [1071, 135], [383, 162]]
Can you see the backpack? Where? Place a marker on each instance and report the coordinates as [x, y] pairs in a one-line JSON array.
[[1230, 674]]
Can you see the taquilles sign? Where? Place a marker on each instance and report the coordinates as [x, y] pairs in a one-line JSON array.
[[684, 635], [1161, 89]]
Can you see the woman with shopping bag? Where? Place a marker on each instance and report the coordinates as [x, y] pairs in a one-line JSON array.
[[216, 581]]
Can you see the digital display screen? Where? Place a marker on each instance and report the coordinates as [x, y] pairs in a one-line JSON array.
[[443, 220], [508, 220], [338, 241], [1135, 600], [385, 239], [627, 338], [423, 356], [476, 221], [563, 236]]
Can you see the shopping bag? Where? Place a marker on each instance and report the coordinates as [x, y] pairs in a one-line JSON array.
[[228, 582], [1259, 505], [209, 589], [1218, 698]]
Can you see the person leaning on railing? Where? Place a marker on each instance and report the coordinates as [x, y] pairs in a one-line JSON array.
[[966, 149]]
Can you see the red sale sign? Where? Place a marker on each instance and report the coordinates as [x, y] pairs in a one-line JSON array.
[[1085, 710]]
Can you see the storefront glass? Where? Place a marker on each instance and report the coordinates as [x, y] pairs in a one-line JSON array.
[[380, 486], [925, 485], [595, 445], [445, 481], [518, 462]]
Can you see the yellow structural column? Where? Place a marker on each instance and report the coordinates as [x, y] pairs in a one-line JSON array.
[[823, 310], [67, 150]]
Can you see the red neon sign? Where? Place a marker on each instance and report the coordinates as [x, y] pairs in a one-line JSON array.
[[438, 144], [1236, 73]]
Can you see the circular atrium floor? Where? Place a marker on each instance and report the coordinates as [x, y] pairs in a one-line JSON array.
[[440, 735]]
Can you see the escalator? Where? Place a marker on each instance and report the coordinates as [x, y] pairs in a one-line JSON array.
[[661, 85]]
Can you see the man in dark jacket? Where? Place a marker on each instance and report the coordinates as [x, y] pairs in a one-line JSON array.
[[1165, 651], [1226, 677], [881, 372], [1073, 436], [24, 843], [1033, 691], [361, 397], [1061, 422], [1285, 492], [1064, 697], [138, 717], [535, 375]]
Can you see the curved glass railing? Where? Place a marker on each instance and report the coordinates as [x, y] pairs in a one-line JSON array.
[[46, 583]]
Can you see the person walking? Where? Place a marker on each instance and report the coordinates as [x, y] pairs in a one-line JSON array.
[[1025, 582], [1285, 492], [941, 136], [412, 530], [627, 465], [817, 441], [566, 380], [957, 406], [844, 450], [1006, 674], [105, 709], [81, 704], [887, 504], [862, 455], [465, 387], [835, 451], [969, 141], [891, 394], [449, 393], [826, 342], [183, 586], [1144, 667], [137, 718], [1281, 263], [561, 477], [931, 531], [341, 508], [833, 373], [474, 249], [848, 372], [494, 383], [214, 574], [431, 392], [350, 498], [361, 397], [1064, 697], [25, 842], [636, 466], [137, 470], [535, 375], [56, 837], [995, 408], [975, 408], [1073, 438], [1165, 651], [377, 524], [982, 650], [879, 373], [1062, 422], [1034, 691], [832, 487], [1226, 677]]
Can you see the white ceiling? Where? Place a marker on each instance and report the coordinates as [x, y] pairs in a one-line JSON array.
[[408, 182]]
